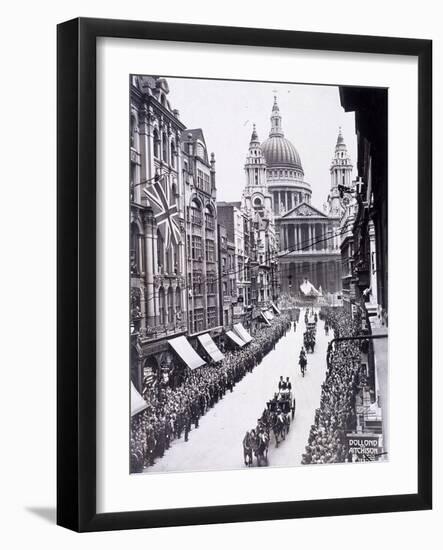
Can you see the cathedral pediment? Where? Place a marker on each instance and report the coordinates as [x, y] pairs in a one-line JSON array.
[[304, 210]]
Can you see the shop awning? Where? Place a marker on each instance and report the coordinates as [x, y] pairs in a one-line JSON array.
[[210, 346], [265, 319], [243, 333], [184, 349], [277, 311], [268, 315], [236, 339], [138, 404]]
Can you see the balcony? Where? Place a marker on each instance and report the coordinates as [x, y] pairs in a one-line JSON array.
[[163, 330]]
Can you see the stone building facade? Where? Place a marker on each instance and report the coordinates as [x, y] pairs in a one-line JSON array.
[[308, 241], [174, 276]]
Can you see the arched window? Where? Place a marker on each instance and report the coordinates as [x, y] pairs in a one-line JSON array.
[[170, 305], [134, 250], [178, 301], [165, 147], [133, 131], [156, 144], [196, 214], [160, 251], [170, 260], [257, 202], [162, 305], [173, 153], [209, 217]]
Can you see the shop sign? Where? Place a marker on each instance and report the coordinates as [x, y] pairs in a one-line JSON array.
[[363, 447]]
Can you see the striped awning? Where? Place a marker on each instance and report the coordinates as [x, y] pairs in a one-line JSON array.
[[138, 404], [184, 349], [243, 333], [265, 319], [210, 346], [269, 316], [236, 339]]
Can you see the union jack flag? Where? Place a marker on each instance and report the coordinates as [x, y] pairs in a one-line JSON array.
[[165, 210]]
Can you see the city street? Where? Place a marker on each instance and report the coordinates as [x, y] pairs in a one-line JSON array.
[[217, 443]]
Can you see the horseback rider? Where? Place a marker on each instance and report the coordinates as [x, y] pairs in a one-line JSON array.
[[302, 361]]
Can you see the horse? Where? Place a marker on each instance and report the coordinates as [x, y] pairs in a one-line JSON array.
[[247, 449], [260, 447], [303, 363], [279, 428]]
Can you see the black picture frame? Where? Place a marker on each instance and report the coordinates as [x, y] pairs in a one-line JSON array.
[[76, 281]]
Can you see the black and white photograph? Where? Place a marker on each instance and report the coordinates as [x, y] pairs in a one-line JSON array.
[[258, 274]]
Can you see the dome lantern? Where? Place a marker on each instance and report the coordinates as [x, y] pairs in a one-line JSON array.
[[277, 150]]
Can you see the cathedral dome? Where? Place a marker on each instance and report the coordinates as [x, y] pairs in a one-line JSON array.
[[279, 151]]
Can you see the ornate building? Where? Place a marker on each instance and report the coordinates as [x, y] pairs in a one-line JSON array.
[[173, 237], [157, 258], [308, 238], [201, 233], [257, 205]]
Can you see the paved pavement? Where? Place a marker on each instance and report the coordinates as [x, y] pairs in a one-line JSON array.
[[217, 443]]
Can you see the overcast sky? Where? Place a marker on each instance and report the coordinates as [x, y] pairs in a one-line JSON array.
[[226, 110]]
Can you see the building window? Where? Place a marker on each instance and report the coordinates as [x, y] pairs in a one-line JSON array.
[[165, 148], [212, 317], [196, 214], [211, 281], [160, 252], [196, 249], [210, 250], [162, 308], [133, 131], [170, 305], [156, 144], [178, 301], [209, 218], [173, 153], [197, 287], [198, 320]]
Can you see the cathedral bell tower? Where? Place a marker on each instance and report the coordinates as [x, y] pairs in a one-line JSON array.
[[341, 171], [256, 196]]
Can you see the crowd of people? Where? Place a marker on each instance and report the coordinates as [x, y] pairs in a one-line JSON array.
[[344, 376], [171, 413]]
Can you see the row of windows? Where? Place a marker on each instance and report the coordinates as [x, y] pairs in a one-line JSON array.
[[203, 181], [201, 284], [167, 312], [198, 319], [284, 173], [195, 248], [164, 151]]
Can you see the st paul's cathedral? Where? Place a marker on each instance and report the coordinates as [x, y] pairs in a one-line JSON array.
[[308, 238]]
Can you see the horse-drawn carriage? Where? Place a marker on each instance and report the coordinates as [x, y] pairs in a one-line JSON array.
[[283, 401], [276, 418]]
